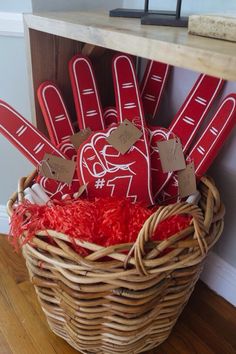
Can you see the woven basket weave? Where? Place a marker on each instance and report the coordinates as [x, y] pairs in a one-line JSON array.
[[130, 302]]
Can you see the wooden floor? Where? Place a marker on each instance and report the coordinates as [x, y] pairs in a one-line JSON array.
[[207, 325]]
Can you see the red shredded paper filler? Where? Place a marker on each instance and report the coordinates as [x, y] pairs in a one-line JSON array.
[[105, 222]]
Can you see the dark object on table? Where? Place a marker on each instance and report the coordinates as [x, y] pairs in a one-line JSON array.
[[151, 17]]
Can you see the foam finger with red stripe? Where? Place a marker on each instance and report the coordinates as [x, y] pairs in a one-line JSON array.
[[127, 95], [195, 108], [186, 122], [86, 97], [213, 138], [29, 141], [129, 106], [152, 87], [208, 145], [107, 171], [55, 113]]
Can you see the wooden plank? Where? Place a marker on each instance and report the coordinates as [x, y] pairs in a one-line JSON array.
[[224, 321], [20, 323], [91, 50], [30, 73], [49, 58], [4, 347], [12, 327], [224, 309], [167, 44], [57, 342], [165, 348], [185, 340], [29, 292], [12, 261], [54, 66], [217, 343], [103, 73]]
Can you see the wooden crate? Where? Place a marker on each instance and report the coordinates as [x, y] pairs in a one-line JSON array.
[[52, 38]]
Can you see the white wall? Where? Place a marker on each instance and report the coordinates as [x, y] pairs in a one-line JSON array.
[[59, 5], [188, 7], [15, 5], [14, 90]]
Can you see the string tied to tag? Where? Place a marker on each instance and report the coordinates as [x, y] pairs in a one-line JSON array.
[[45, 163]]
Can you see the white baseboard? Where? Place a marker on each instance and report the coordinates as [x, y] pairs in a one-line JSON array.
[[220, 276], [4, 223], [11, 24]]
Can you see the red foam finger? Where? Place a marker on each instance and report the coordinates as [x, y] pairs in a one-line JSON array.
[[152, 87], [127, 95], [208, 145], [32, 144], [195, 108], [86, 97], [129, 106], [214, 136], [55, 113], [186, 123], [108, 173], [24, 136]]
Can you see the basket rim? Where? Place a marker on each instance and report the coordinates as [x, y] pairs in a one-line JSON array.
[[207, 228]]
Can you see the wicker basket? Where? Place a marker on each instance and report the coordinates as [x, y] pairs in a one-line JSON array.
[[129, 303]]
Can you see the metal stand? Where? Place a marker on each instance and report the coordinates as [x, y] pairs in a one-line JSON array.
[[149, 17], [132, 13]]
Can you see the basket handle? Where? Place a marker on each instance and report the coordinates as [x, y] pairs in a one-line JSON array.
[[23, 183], [151, 224]]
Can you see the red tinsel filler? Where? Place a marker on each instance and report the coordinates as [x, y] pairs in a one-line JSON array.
[[105, 222]]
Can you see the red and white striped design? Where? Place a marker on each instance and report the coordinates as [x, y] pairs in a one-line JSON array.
[[208, 145], [33, 145], [214, 136], [55, 113], [152, 87], [128, 100], [24, 136], [86, 97], [185, 124], [195, 108], [107, 172]]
